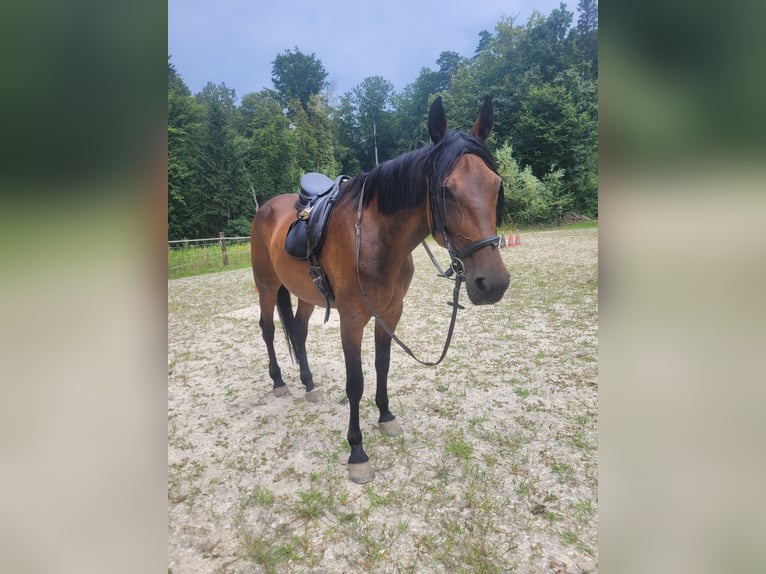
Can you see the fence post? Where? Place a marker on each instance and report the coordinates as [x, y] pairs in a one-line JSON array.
[[223, 248]]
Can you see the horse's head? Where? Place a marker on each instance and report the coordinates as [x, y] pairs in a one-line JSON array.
[[466, 202]]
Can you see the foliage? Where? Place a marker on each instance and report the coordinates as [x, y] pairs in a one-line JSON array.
[[527, 199], [297, 76], [374, 121], [224, 156]]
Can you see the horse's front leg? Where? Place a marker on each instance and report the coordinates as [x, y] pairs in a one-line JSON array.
[[387, 423], [359, 467]]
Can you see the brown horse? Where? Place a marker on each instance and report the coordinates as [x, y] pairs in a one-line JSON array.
[[450, 189]]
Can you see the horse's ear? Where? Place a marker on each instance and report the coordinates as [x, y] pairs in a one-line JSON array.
[[483, 124], [437, 120]]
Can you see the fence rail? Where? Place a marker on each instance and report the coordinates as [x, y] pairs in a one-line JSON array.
[[195, 256], [179, 243]]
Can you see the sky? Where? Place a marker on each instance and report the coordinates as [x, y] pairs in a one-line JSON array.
[[235, 41]]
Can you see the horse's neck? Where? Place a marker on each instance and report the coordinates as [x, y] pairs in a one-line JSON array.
[[404, 229]]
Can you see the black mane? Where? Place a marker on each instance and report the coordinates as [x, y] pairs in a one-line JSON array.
[[400, 183]]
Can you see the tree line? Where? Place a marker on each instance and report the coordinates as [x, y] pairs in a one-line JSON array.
[[226, 157]]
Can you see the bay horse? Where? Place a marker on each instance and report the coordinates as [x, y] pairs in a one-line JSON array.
[[450, 189]]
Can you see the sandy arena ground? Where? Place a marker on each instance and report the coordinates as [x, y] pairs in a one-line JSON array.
[[496, 470]]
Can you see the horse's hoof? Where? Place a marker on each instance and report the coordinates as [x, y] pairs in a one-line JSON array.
[[390, 428], [315, 396], [360, 472], [283, 391]]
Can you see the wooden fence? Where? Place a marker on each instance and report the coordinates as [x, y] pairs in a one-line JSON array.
[[193, 256]]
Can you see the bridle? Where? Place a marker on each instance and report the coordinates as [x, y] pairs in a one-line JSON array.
[[437, 200], [438, 225]]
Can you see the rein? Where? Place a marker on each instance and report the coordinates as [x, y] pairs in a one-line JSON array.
[[456, 266]]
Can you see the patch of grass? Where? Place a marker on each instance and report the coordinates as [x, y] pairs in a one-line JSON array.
[[260, 496], [521, 392], [477, 422], [464, 546], [457, 446], [269, 551], [192, 260], [572, 537], [562, 470], [375, 542], [583, 510], [581, 225], [182, 479], [378, 500], [313, 503]]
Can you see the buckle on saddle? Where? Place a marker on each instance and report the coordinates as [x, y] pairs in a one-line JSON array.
[[304, 214]]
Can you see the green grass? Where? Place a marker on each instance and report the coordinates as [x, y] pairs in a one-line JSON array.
[[193, 260], [547, 227]]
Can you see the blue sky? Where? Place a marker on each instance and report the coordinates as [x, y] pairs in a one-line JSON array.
[[235, 41]]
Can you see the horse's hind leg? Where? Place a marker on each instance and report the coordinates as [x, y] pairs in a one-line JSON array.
[[266, 322], [300, 332]]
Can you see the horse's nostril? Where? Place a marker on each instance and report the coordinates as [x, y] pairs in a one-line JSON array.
[[480, 284]]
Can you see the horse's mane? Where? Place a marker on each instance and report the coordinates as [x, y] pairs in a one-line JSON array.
[[400, 183]]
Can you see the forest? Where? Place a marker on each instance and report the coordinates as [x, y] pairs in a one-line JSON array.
[[227, 155]]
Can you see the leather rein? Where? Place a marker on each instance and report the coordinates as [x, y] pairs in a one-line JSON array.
[[437, 224]]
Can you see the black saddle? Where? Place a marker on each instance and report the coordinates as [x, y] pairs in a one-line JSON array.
[[315, 202], [304, 238]]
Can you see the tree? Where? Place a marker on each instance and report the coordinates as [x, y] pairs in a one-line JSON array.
[[320, 123], [346, 130], [485, 39], [448, 63], [267, 146], [185, 120], [554, 133], [372, 98], [412, 109], [587, 35], [297, 76], [546, 45], [224, 194]]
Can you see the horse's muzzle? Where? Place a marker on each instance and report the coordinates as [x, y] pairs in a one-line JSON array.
[[486, 283]]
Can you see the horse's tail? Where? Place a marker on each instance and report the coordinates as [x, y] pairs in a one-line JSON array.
[[285, 310]]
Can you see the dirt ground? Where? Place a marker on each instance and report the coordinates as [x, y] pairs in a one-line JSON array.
[[496, 470]]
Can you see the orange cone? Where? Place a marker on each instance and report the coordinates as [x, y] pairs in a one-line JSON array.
[[517, 242], [510, 239]]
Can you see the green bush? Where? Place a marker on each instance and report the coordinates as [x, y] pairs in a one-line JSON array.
[[527, 199], [239, 227]]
